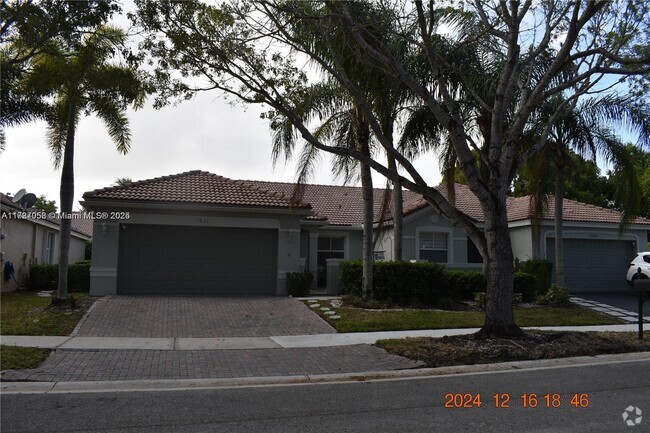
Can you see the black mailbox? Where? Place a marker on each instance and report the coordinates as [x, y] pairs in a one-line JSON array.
[[641, 287]]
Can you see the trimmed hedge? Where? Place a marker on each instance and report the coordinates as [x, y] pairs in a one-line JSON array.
[[350, 277], [481, 297], [298, 283], [424, 283], [396, 282], [45, 277], [463, 284], [526, 284], [542, 270]]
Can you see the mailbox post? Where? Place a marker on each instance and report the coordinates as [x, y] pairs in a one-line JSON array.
[[641, 286]]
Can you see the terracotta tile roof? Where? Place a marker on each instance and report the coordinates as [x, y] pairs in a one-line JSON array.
[[82, 225], [196, 187], [571, 211], [340, 205], [465, 201], [519, 208]]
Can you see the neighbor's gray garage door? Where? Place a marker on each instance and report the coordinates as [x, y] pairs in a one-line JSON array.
[[593, 264], [157, 259]]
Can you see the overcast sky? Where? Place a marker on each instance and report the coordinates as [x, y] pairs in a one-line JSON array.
[[206, 133]]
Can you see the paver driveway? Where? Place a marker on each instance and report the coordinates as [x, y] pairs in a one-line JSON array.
[[100, 365], [201, 317]]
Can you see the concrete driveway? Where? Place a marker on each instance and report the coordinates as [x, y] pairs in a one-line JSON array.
[[200, 317]]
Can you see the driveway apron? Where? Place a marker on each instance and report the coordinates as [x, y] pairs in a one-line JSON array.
[[200, 317]]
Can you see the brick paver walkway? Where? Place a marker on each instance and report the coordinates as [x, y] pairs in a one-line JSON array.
[[172, 316], [78, 365]]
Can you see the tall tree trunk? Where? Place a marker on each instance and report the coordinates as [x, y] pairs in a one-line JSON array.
[[397, 211], [368, 250], [499, 315], [559, 217], [363, 138], [67, 197]]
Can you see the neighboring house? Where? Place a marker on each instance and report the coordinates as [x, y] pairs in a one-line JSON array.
[[26, 241], [199, 233]]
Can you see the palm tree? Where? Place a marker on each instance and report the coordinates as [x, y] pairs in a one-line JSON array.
[[81, 80], [343, 123], [589, 130], [122, 181]]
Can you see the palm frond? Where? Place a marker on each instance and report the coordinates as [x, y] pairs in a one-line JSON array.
[[115, 120], [57, 129]]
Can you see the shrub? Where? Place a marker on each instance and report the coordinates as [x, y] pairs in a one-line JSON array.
[[298, 283], [396, 282], [542, 270], [527, 285], [350, 277], [408, 283], [557, 296], [480, 298], [463, 284], [358, 302], [45, 277]]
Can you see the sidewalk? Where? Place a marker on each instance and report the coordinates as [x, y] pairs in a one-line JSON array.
[[274, 342]]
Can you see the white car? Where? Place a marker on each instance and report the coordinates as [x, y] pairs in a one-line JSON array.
[[639, 268]]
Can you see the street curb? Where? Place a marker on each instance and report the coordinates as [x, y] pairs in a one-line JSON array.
[[85, 316], [244, 382]]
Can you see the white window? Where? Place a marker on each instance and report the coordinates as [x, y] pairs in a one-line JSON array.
[[48, 247], [433, 246], [329, 247]]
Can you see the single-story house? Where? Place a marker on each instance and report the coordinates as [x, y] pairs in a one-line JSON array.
[[32, 237], [200, 233]]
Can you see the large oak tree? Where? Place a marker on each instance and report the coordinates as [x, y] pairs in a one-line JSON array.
[[532, 50]]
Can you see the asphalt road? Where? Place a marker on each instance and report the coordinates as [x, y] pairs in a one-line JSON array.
[[416, 405]]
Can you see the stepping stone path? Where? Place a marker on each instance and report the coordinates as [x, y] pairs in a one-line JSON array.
[[335, 317], [314, 306], [627, 316], [329, 313], [324, 308]]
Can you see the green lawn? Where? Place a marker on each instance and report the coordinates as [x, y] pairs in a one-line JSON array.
[[15, 358], [358, 320], [26, 313]]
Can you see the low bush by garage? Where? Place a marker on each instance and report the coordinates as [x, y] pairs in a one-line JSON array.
[[541, 269], [298, 283], [45, 277]]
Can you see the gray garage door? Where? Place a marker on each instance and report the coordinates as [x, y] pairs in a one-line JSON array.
[[173, 260], [593, 264]]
